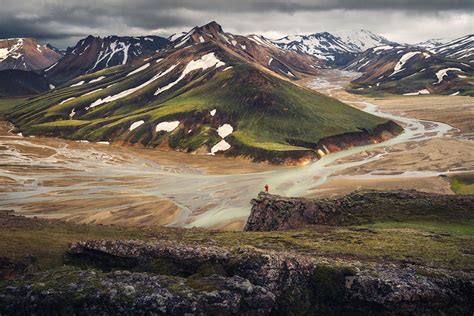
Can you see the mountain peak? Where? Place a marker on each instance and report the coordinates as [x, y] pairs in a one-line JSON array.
[[212, 27]]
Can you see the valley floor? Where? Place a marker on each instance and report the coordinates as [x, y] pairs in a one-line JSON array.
[[107, 184]]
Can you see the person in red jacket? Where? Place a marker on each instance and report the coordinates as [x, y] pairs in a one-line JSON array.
[[266, 188]]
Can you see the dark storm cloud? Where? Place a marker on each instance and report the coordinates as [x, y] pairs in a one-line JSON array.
[[63, 22]]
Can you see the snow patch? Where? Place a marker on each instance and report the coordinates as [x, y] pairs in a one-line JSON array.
[[71, 115], [213, 112], [167, 126], [385, 47], [403, 60], [444, 72], [205, 62], [423, 91], [91, 92], [455, 93], [46, 70], [136, 125], [139, 69], [127, 92], [97, 79], [51, 86], [220, 146], [225, 130], [80, 83], [64, 101]]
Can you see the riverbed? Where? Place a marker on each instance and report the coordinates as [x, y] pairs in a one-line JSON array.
[[99, 183]]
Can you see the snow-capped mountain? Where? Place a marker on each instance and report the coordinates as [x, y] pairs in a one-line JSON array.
[[361, 39], [95, 53], [334, 48], [26, 54], [461, 48], [432, 43]]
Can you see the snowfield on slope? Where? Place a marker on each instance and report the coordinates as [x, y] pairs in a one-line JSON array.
[[97, 79], [205, 62], [444, 72], [403, 60], [225, 130], [127, 92], [136, 125], [220, 146], [139, 69], [423, 91], [167, 126], [80, 83]]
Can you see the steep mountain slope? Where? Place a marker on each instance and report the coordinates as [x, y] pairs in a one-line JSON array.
[[26, 54], [335, 49], [15, 82], [460, 48], [208, 97], [253, 48], [95, 53], [411, 71]]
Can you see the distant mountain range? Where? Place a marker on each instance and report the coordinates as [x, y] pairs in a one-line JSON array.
[[411, 71], [336, 48], [461, 48], [291, 57], [205, 92], [26, 54], [95, 53]]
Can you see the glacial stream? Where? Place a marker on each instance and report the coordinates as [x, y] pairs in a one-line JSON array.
[[205, 200]]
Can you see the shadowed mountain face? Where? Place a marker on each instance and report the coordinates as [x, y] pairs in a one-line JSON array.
[[26, 54], [205, 94], [92, 54], [21, 83]]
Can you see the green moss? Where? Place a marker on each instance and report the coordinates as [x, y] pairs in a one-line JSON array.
[[463, 184], [269, 115], [8, 105]]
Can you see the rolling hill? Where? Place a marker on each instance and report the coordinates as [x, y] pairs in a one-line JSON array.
[[207, 95]]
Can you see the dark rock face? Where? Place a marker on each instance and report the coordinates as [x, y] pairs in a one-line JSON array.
[[272, 212], [122, 292], [175, 279], [92, 54], [21, 83]]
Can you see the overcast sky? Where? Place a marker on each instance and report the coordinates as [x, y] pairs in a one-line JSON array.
[[63, 22]]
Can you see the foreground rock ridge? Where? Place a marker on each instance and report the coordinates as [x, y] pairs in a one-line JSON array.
[[184, 278], [273, 212]]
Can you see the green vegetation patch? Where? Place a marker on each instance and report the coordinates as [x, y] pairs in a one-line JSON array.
[[462, 184]]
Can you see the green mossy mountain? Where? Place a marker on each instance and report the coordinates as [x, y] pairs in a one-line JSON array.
[[272, 118]]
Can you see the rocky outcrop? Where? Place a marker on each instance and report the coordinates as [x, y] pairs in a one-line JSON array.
[[273, 212], [175, 279]]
